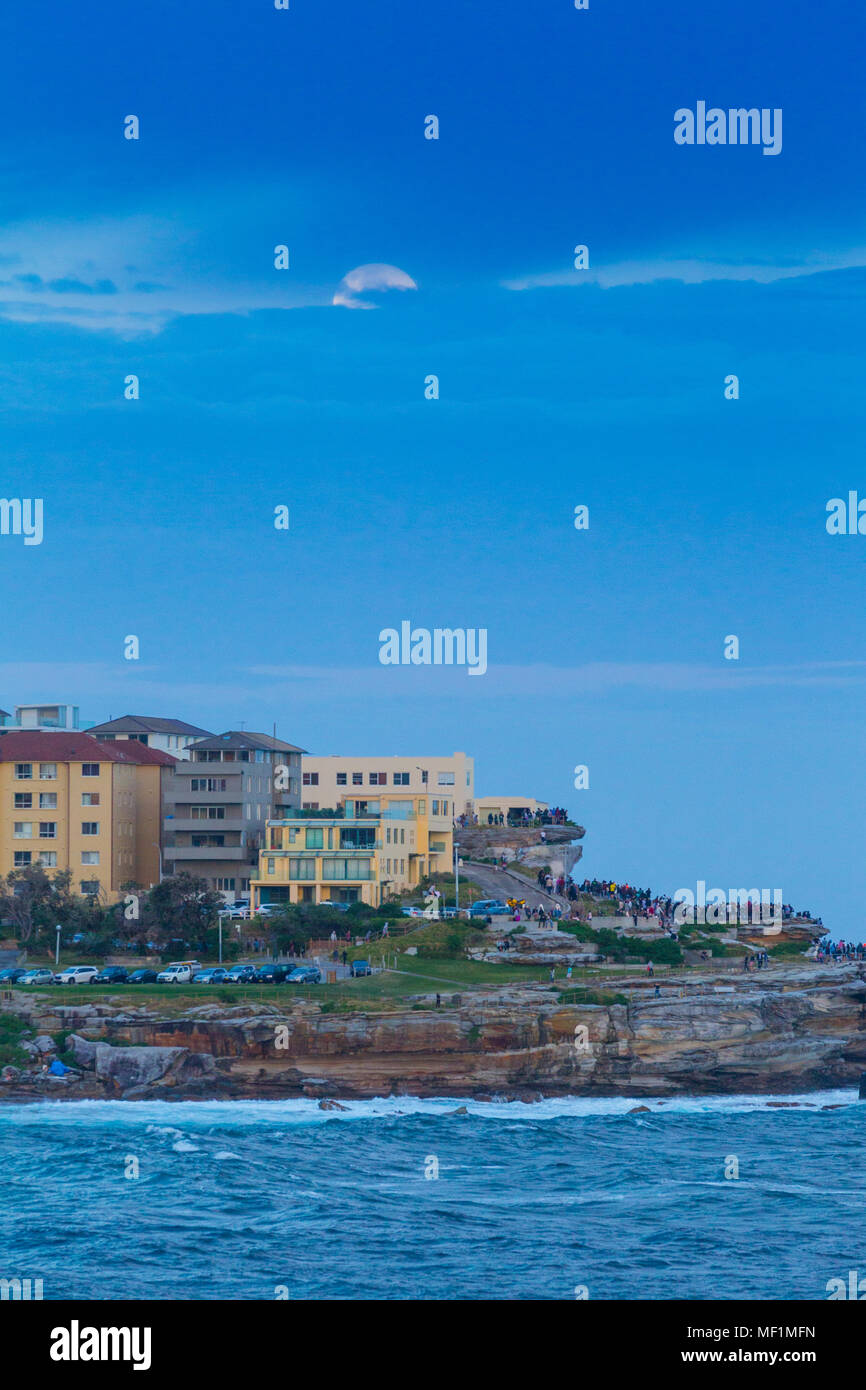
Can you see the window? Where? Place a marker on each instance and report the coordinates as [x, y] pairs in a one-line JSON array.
[[341, 779], [310, 779], [424, 778], [302, 868], [378, 779], [90, 856], [272, 866], [313, 839], [345, 868], [90, 887], [310, 806], [23, 801], [435, 808], [47, 772], [90, 798], [445, 779], [402, 837], [47, 858], [208, 841], [23, 771], [90, 827], [207, 813], [422, 807], [21, 858], [401, 779], [357, 779], [23, 830], [226, 885], [207, 784], [92, 769], [359, 838], [48, 830], [48, 801], [387, 835]]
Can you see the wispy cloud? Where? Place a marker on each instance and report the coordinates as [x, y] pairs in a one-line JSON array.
[[103, 688], [688, 272], [133, 275]]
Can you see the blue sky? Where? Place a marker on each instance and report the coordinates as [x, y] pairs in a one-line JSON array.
[[558, 387]]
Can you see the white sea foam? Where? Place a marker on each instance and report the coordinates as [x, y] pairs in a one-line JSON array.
[[239, 1114]]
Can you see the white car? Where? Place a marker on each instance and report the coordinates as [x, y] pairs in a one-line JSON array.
[[76, 975], [175, 975]]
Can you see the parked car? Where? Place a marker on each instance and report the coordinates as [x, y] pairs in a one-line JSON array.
[[240, 975], [12, 974], [412, 911], [304, 975], [489, 907], [268, 909], [76, 975], [341, 907], [178, 972], [271, 974], [235, 911], [37, 977], [212, 976], [111, 975], [143, 977], [361, 967]]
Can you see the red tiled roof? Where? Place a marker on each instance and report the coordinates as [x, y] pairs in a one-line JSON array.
[[71, 746]]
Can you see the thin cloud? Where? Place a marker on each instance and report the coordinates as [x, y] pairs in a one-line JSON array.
[[686, 272]]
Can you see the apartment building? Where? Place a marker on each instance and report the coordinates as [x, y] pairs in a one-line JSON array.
[[43, 717], [218, 802], [378, 846], [68, 801], [172, 736], [328, 780]]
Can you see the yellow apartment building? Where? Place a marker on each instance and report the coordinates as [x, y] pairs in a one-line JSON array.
[[379, 846], [68, 801], [328, 780]]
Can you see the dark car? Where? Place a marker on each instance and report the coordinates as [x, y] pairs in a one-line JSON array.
[[142, 977], [241, 974], [361, 967], [111, 975], [305, 975], [11, 974], [272, 974]]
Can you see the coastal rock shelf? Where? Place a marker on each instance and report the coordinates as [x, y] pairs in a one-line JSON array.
[[805, 1029]]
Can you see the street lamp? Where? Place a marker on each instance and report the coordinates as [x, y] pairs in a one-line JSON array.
[[457, 878], [57, 948]]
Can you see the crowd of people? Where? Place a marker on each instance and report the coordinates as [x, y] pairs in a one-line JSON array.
[[516, 819], [837, 951]]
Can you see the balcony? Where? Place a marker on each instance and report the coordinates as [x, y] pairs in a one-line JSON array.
[[206, 827], [241, 853]]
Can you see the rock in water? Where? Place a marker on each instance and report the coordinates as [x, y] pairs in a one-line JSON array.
[[640, 1110]]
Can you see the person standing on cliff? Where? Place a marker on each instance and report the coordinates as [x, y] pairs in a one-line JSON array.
[[649, 969]]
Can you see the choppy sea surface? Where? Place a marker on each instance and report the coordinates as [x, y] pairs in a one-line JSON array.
[[266, 1199]]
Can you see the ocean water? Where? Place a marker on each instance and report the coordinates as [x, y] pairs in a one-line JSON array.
[[260, 1199]]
